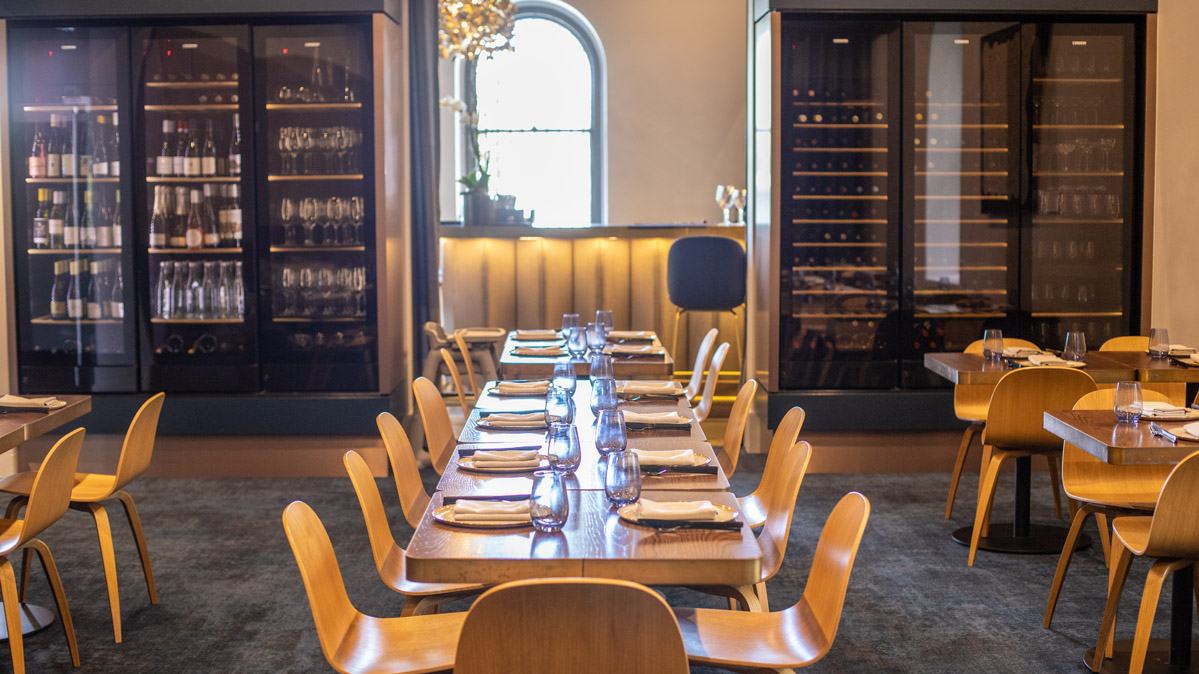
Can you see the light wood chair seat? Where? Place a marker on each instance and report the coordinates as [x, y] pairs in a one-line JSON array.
[[85, 488], [734, 431], [754, 506], [1133, 532], [797, 636]]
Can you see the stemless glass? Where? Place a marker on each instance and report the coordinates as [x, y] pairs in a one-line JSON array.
[[1159, 342], [992, 344], [601, 366], [548, 502], [603, 395], [610, 432], [595, 337], [562, 447], [1128, 401], [603, 317], [559, 406], [1076, 346], [622, 482], [564, 375], [569, 321], [576, 342]]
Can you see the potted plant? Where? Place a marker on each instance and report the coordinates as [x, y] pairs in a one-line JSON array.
[[479, 209]]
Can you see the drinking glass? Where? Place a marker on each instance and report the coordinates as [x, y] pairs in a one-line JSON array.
[[562, 447], [1159, 343], [576, 342], [603, 395], [601, 366], [622, 482], [1076, 346], [559, 406], [610, 432], [564, 375], [992, 344], [569, 321], [289, 292], [603, 317], [1128, 401], [548, 503], [595, 337], [287, 215]]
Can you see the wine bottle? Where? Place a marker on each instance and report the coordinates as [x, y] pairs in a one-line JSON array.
[[178, 160], [41, 220], [58, 291], [99, 150], [93, 300], [191, 154], [37, 152], [53, 158], [70, 229], [74, 292], [67, 156], [83, 149], [234, 215], [164, 165], [212, 232], [234, 162], [208, 151], [114, 148], [116, 298], [178, 231], [195, 223], [117, 226], [57, 220], [159, 221], [87, 225]]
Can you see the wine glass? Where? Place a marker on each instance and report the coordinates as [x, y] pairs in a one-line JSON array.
[[601, 366], [569, 321], [992, 344], [562, 447], [723, 199], [559, 406], [603, 317], [307, 282], [576, 342], [287, 213], [1159, 342], [564, 375], [622, 482], [610, 433], [288, 291], [1128, 405], [595, 337], [358, 215], [549, 504], [359, 285], [1076, 346], [308, 208], [603, 395]]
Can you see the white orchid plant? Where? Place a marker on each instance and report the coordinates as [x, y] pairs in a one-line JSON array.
[[477, 178]]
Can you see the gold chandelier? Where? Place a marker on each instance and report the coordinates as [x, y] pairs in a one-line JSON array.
[[472, 28]]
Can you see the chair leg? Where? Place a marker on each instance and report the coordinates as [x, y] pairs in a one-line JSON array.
[[1055, 481], [1153, 590], [26, 565], [763, 599], [12, 615], [14, 507], [737, 337], [982, 513], [982, 466], [1115, 588], [60, 595], [1105, 538], [135, 523], [674, 342], [108, 557], [409, 606], [1063, 560], [960, 461]]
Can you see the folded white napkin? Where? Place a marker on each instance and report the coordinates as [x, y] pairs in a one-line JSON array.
[[515, 419], [1051, 360], [536, 335], [665, 457], [1019, 351], [700, 511], [491, 511], [506, 458], [1159, 410], [522, 387], [548, 351], [649, 387], [666, 418], [617, 335], [637, 350], [31, 403], [1181, 350]]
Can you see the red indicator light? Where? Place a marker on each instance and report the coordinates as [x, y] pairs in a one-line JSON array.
[[285, 50], [51, 52], [168, 52]]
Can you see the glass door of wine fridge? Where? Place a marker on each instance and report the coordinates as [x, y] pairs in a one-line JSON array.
[[1082, 187], [195, 209], [839, 213], [317, 282], [74, 273], [962, 180]]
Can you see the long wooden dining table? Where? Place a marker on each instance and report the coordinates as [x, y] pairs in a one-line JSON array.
[[596, 541]]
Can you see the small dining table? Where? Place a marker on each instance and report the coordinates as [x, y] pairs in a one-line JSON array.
[[513, 366], [973, 368], [1098, 433], [1157, 370]]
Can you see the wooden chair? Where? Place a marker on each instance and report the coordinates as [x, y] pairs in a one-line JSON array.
[[353, 642], [439, 433], [755, 506], [798, 636], [413, 497], [1015, 427], [470, 368], [1102, 489], [730, 451], [390, 559], [970, 404], [1175, 392], [780, 506], [1171, 535], [49, 498], [567, 625], [705, 403], [462, 395], [701, 363], [89, 492]]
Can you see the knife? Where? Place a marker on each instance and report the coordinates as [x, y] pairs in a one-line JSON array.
[[732, 525], [1156, 429], [665, 470], [447, 500], [471, 451]]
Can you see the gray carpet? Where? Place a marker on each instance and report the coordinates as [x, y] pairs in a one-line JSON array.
[[231, 598]]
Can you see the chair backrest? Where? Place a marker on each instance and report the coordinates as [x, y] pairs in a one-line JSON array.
[[701, 362], [383, 543], [589, 625], [1126, 343], [780, 506], [706, 273], [705, 403], [730, 451], [439, 434], [413, 497], [436, 335], [464, 349], [1079, 466], [1015, 417], [781, 444], [50, 495], [832, 563], [331, 608], [1008, 342], [139, 441], [448, 358], [1174, 531]]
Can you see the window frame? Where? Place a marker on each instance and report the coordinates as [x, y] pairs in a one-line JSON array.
[[578, 26]]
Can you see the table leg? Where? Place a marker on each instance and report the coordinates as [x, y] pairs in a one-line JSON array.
[[34, 618], [1020, 503], [1181, 591]]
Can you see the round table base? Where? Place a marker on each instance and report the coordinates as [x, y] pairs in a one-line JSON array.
[[1157, 659], [1042, 539], [34, 618]]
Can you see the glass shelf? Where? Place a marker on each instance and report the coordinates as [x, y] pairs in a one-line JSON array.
[[72, 179], [199, 107], [331, 319], [193, 179], [291, 178], [317, 249], [192, 85], [198, 321], [71, 252], [313, 107], [202, 251], [46, 320], [70, 108]]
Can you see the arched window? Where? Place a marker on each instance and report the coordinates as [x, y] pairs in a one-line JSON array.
[[540, 110]]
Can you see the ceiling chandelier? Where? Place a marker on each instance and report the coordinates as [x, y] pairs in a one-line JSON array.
[[472, 28]]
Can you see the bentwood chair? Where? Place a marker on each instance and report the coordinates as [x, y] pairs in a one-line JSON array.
[[390, 559], [970, 404], [439, 433], [1102, 489], [701, 363], [353, 642], [780, 506], [755, 506], [413, 497], [90, 490], [462, 395], [49, 498], [1015, 427], [704, 408], [1175, 392], [1171, 535], [464, 350], [553, 625], [730, 451], [795, 637]]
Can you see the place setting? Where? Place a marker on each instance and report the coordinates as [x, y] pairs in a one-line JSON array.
[[518, 388], [670, 516], [656, 421], [649, 391], [502, 461], [632, 336], [12, 403], [683, 461], [635, 351]]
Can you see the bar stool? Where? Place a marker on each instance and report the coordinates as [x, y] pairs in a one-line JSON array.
[[705, 273]]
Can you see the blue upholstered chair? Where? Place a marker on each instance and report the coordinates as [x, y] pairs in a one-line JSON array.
[[705, 273]]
